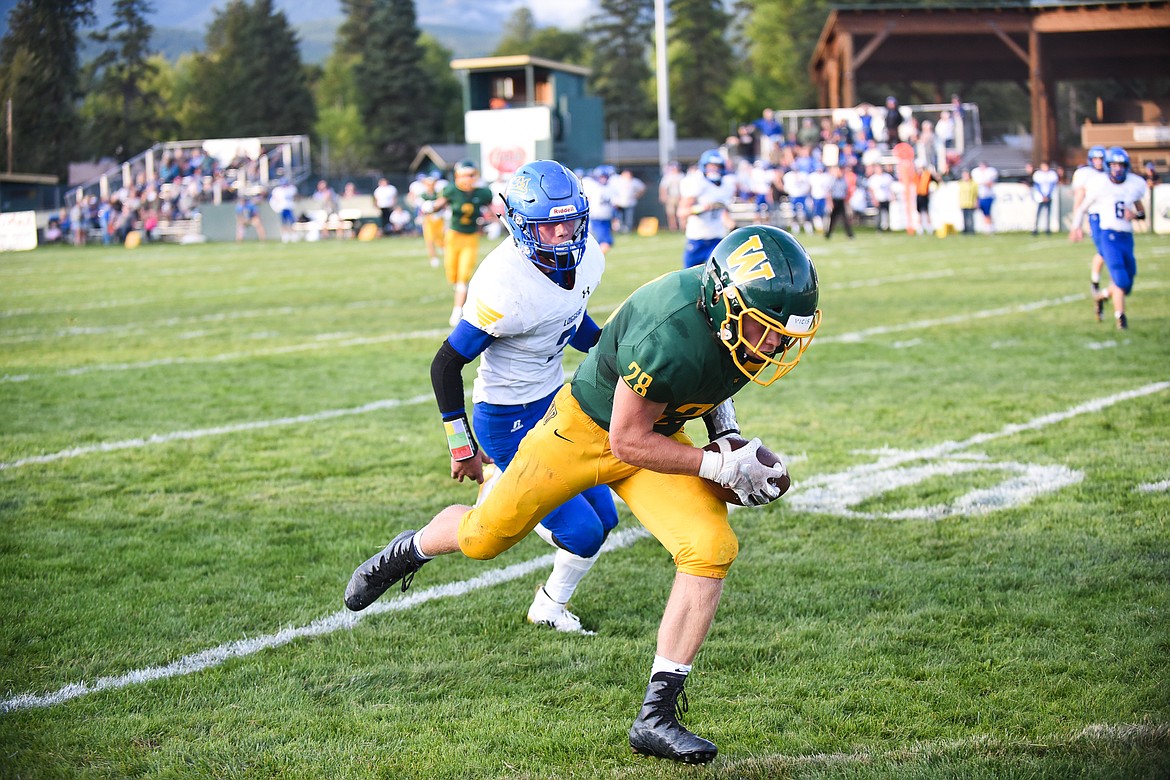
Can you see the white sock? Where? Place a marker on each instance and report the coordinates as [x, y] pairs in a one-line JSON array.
[[418, 550], [666, 665], [567, 572], [1095, 278]]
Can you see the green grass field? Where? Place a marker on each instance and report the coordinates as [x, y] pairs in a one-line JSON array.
[[970, 577]]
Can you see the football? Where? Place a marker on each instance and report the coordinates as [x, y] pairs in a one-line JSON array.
[[763, 454]]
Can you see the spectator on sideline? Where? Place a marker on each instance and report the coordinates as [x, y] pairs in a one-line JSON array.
[[968, 201], [839, 195], [248, 215], [627, 190], [1044, 183], [668, 194], [385, 199], [283, 200], [985, 177]]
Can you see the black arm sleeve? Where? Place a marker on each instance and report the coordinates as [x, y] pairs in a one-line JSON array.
[[447, 380]]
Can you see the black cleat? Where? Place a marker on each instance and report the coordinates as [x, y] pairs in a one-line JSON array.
[[1122, 322], [1099, 299], [398, 561], [656, 730]]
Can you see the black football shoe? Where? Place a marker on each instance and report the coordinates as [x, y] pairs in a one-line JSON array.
[[397, 562], [656, 730], [1122, 322], [1099, 299]]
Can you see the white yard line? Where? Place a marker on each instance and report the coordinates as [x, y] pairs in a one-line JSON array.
[[200, 433], [844, 338], [330, 340], [344, 620], [337, 621], [881, 330]]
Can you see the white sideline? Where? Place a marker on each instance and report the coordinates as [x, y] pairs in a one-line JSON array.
[[163, 438], [342, 619]]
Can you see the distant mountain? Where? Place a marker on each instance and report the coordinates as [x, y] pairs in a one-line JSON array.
[[468, 29]]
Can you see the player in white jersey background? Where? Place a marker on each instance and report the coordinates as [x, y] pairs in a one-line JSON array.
[[1117, 198], [525, 303], [1093, 169], [704, 196]]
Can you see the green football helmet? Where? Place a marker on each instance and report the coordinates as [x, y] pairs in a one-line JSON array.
[[762, 278]]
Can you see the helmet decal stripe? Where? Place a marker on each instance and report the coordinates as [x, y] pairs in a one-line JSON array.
[[749, 261]]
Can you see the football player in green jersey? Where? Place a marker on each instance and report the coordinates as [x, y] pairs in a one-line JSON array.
[[467, 203], [678, 349]]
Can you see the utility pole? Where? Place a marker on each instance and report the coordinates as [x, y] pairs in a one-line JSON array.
[[8, 130], [665, 126]]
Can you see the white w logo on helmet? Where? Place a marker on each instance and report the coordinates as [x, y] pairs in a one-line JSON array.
[[749, 261]]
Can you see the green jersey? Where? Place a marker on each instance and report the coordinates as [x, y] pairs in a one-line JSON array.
[[466, 207], [661, 345]]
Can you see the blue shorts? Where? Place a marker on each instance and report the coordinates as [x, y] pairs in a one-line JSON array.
[[286, 217], [580, 524], [818, 207], [698, 251], [1117, 249], [1095, 232], [985, 206], [602, 230]]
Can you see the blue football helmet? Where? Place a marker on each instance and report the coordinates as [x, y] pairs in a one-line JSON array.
[[1115, 155], [1097, 153], [604, 171], [540, 194], [713, 157]]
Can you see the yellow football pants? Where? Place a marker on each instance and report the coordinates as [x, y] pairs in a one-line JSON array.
[[432, 228], [459, 253], [566, 453]]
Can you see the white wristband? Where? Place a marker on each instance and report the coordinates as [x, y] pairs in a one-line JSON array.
[[711, 465]]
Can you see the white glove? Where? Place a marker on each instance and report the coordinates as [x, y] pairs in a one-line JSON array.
[[741, 471]]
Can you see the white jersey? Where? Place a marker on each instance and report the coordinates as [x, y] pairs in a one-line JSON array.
[[985, 178], [600, 198], [819, 183], [532, 319], [1080, 181], [796, 183], [1110, 200], [708, 224], [881, 186], [283, 197], [385, 196]]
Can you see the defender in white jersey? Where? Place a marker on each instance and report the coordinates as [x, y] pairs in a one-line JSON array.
[[702, 207], [1093, 169], [1117, 199], [525, 303]]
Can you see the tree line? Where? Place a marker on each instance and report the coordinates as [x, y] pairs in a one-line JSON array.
[[386, 87]]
